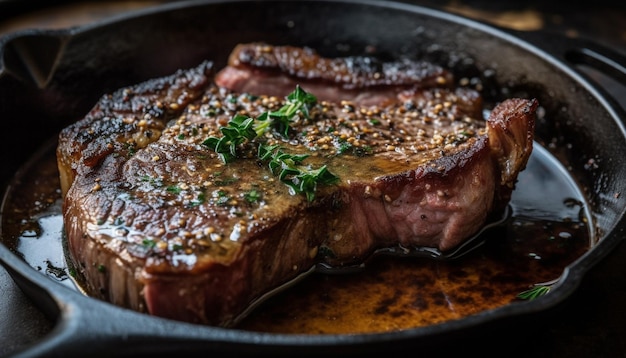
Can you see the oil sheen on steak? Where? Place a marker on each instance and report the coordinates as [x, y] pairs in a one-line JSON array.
[[156, 222]]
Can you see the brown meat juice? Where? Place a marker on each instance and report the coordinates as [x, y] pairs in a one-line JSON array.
[[548, 228]]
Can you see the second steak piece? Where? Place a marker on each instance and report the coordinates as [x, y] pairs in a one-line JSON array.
[[260, 68]]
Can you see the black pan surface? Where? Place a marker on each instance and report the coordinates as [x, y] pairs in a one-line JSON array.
[[51, 78]]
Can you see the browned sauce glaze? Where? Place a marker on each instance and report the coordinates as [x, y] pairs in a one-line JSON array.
[[547, 231]]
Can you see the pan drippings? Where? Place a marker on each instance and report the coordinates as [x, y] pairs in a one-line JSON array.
[[548, 229]]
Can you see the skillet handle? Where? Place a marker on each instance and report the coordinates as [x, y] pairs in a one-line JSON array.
[[32, 55], [603, 65], [76, 321], [581, 51], [86, 327], [603, 59]]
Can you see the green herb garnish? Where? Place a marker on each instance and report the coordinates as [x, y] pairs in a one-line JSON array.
[[238, 131], [221, 198], [298, 100], [253, 196], [535, 292], [200, 199], [344, 147], [241, 129], [288, 167], [148, 243]]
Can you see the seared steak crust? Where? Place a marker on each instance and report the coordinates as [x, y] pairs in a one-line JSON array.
[[272, 70], [156, 222]]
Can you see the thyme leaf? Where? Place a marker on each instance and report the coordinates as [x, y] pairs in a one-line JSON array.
[[253, 196]]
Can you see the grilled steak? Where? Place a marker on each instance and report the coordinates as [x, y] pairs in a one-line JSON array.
[[157, 221], [271, 70]]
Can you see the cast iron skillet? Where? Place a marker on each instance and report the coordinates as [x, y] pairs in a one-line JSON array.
[[51, 78]]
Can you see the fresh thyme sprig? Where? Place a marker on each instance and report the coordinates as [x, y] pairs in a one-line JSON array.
[[298, 100], [241, 129], [288, 167], [238, 131], [538, 290]]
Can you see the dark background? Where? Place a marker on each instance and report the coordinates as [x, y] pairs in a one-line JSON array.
[[591, 323]]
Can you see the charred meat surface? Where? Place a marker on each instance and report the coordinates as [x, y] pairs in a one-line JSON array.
[[158, 222], [272, 70]]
